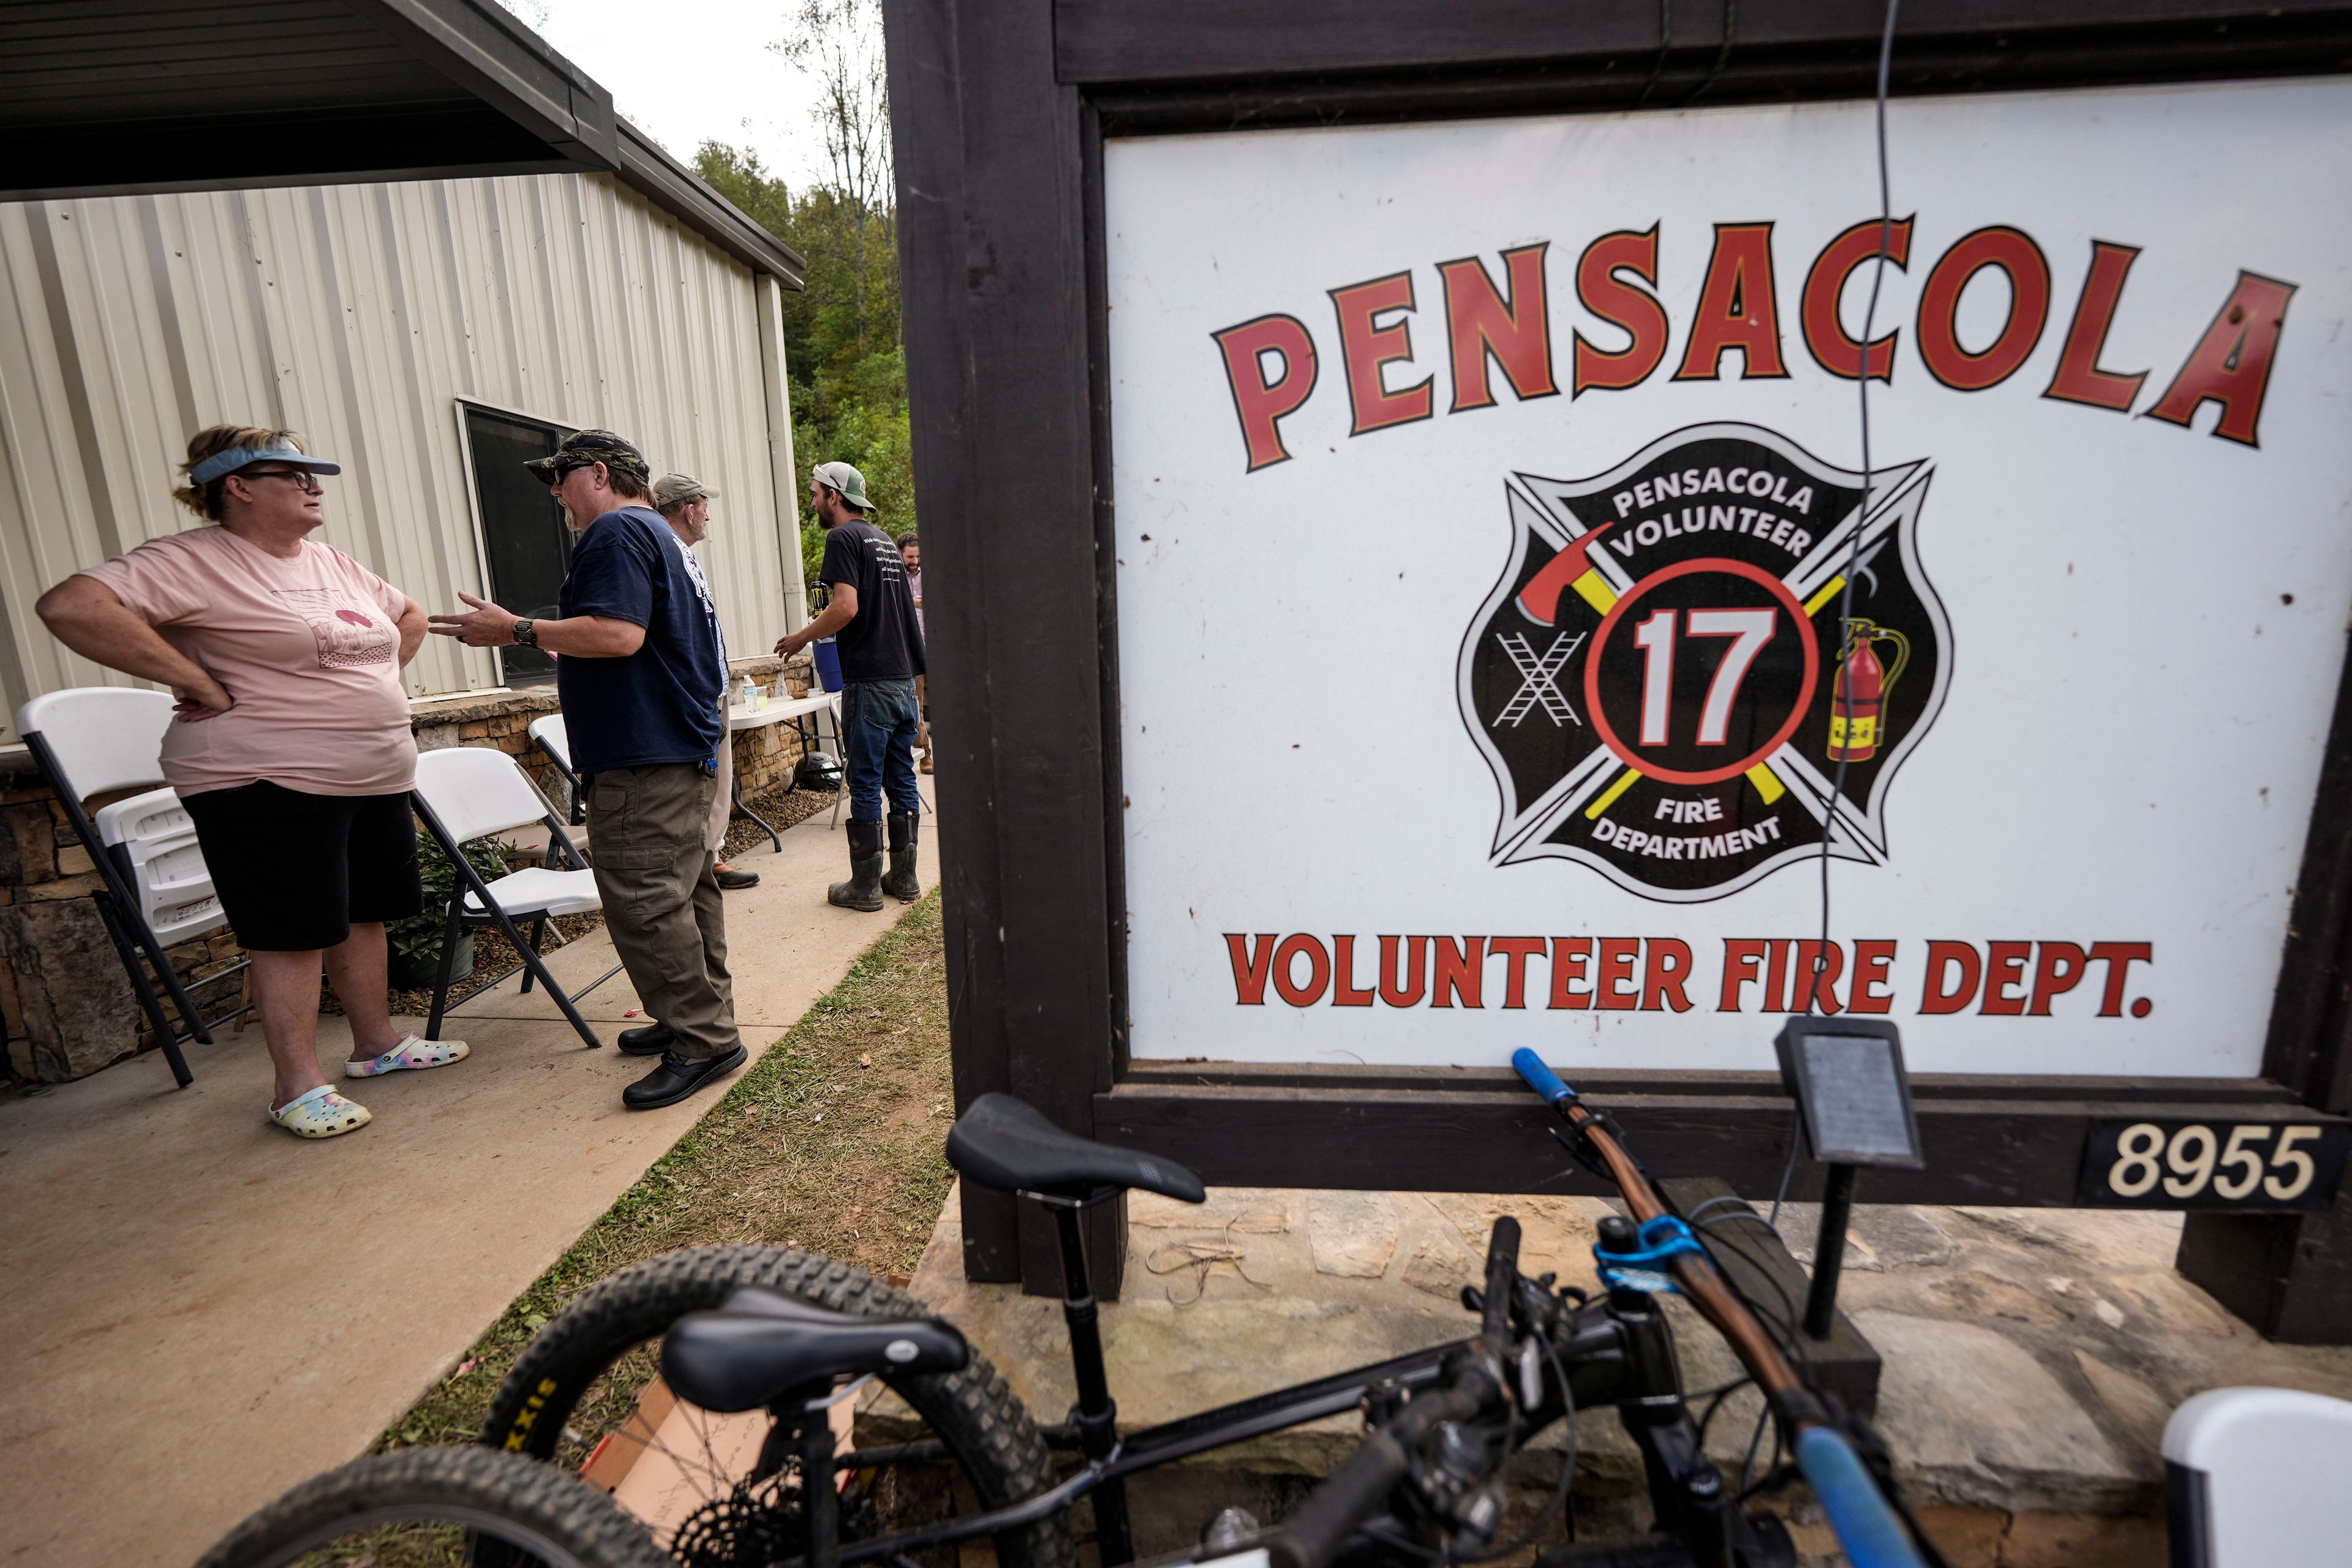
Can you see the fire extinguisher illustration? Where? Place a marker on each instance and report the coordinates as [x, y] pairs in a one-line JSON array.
[[1858, 697]]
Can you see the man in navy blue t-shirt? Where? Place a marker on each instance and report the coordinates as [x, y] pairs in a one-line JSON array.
[[641, 666]]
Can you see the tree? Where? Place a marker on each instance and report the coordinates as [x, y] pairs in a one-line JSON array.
[[838, 42], [847, 369]]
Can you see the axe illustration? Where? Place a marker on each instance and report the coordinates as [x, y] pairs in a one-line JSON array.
[[1539, 600]]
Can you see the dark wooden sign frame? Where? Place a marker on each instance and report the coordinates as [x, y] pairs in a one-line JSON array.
[[998, 111]]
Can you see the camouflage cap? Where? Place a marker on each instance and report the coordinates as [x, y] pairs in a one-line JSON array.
[[582, 448], [671, 489]]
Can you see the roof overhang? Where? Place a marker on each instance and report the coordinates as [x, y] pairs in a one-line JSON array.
[[123, 97]]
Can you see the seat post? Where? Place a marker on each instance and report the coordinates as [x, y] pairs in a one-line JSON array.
[[1096, 1416], [820, 1500]]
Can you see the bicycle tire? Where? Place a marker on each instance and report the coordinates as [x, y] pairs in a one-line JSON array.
[[986, 1428], [562, 1521]]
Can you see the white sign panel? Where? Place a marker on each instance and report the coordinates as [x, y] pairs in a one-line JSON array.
[[1502, 606]]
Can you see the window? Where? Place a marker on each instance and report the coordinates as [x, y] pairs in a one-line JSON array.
[[523, 533]]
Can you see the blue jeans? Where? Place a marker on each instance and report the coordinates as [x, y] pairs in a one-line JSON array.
[[878, 720]]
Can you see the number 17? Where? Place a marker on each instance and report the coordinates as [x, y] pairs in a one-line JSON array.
[[1749, 631]]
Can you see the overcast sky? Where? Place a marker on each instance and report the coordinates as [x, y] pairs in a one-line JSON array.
[[689, 71]]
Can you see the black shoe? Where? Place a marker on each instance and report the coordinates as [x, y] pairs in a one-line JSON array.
[[675, 1078], [900, 881], [731, 878], [650, 1041]]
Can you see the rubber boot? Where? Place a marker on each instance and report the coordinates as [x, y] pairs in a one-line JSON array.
[[864, 888], [900, 881]]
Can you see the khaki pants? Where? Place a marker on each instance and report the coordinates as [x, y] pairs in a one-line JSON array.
[[923, 716], [647, 832], [722, 799]]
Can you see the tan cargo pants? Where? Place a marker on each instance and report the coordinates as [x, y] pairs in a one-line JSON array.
[[647, 836]]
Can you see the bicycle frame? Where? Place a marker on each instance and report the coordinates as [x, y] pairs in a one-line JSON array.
[[1617, 1351]]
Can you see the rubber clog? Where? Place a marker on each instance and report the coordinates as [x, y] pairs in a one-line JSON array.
[[320, 1113], [413, 1054]]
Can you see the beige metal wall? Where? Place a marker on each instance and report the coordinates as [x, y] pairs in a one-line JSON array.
[[359, 315]]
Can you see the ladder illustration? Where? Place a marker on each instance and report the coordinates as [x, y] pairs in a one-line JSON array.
[[1538, 679]]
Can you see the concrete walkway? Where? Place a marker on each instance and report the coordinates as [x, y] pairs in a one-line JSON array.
[[204, 1310]]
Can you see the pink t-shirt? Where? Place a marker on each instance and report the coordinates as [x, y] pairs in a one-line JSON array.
[[307, 649]]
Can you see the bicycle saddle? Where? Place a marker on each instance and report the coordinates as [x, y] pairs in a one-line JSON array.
[[1008, 1144], [760, 1346]]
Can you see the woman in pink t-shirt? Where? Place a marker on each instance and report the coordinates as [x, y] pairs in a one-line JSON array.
[[290, 746]]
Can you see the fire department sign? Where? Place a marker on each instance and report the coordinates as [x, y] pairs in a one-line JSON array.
[[1500, 602], [1671, 681]]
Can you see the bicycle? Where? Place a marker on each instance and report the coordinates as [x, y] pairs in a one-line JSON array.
[[770, 1336]]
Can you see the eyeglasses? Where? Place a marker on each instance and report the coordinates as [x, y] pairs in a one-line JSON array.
[[303, 478]]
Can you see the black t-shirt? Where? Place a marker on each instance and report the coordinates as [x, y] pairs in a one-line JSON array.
[[661, 704], [883, 641]]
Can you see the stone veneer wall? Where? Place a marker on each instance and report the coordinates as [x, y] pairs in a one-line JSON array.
[[68, 1006]]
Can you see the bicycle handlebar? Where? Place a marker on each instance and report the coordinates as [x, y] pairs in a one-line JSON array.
[[1873, 1535], [1866, 1527], [1540, 1079]]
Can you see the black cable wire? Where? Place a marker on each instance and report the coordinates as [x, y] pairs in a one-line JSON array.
[[1722, 55], [1665, 42], [1763, 1419], [1567, 1466], [1845, 605], [1788, 1169], [1836, 802], [1716, 1404]]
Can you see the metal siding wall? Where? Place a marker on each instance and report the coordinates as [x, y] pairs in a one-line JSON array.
[[358, 315]]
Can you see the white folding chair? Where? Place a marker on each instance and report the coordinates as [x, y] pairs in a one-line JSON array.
[[155, 891], [154, 834], [553, 739], [464, 793], [2253, 1478]]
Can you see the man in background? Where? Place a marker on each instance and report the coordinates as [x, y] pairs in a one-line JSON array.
[[910, 550], [684, 502], [871, 618], [642, 671]]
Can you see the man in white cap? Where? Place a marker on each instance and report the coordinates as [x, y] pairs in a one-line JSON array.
[[684, 502], [871, 618]]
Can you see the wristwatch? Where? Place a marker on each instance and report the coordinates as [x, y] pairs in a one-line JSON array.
[[524, 633]]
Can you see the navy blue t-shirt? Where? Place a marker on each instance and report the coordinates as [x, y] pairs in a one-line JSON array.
[[661, 704]]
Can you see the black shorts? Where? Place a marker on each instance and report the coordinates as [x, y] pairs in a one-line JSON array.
[[294, 871]]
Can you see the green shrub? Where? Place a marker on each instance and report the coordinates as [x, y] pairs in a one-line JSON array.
[[417, 937]]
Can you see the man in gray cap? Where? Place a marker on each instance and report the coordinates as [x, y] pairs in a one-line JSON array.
[[871, 618], [684, 502], [641, 667]]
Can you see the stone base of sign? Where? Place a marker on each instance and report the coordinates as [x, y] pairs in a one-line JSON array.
[[2032, 1356], [2289, 1274]]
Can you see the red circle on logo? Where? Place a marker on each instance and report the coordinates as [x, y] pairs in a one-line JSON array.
[[1787, 600]]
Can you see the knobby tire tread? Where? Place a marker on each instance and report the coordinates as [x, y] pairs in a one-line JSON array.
[[983, 1422], [560, 1509]]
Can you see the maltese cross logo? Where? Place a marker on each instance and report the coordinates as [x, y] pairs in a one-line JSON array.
[[1673, 668]]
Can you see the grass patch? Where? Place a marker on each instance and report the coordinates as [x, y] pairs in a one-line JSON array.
[[833, 1142]]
